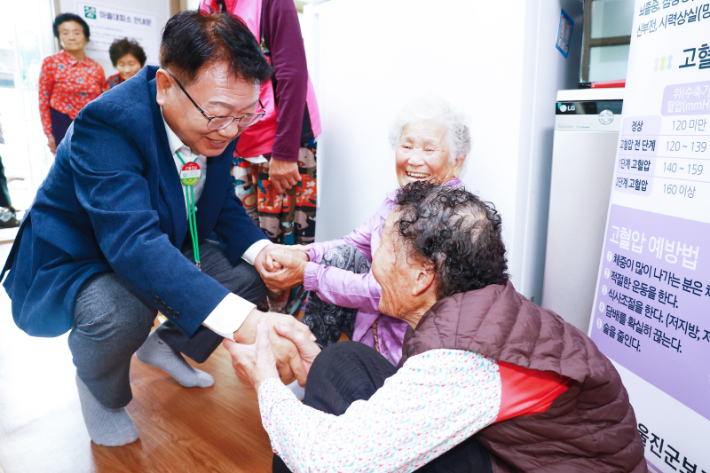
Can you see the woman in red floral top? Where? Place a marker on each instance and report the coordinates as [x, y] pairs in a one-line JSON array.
[[68, 80]]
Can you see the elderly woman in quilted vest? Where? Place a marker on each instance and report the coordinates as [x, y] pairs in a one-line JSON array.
[[488, 381]]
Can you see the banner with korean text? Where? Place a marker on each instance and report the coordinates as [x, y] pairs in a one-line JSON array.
[[109, 23], [651, 312]]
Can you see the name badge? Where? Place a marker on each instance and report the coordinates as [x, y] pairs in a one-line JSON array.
[[190, 173]]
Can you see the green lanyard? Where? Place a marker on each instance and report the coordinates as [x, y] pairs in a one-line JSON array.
[[189, 175]]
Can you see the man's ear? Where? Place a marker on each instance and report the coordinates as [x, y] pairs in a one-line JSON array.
[[162, 86], [424, 281]]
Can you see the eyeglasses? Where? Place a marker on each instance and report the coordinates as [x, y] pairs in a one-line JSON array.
[[220, 123]]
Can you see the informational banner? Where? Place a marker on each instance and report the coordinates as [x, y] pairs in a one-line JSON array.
[[109, 23], [651, 312]]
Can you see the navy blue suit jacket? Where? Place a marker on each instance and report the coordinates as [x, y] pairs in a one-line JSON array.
[[113, 201]]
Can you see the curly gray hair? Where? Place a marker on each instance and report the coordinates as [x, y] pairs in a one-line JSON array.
[[433, 108]]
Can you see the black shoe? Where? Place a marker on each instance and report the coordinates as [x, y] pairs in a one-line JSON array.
[[8, 219]]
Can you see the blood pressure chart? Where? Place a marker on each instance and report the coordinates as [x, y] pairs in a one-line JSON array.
[[651, 314]]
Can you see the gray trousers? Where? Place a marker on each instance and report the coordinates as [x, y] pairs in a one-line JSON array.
[[112, 320]]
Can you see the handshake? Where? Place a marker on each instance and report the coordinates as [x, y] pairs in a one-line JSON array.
[[291, 344], [282, 267]]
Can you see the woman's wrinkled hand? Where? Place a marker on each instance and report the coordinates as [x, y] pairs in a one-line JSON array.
[[308, 350], [256, 362], [287, 269], [298, 251]]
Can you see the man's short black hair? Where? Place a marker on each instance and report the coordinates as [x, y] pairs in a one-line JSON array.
[[191, 39], [64, 17], [121, 47]]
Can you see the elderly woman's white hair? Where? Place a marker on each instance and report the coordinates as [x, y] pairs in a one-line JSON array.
[[435, 109]]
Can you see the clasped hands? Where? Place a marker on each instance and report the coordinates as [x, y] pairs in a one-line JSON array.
[[282, 267], [257, 362], [280, 336]]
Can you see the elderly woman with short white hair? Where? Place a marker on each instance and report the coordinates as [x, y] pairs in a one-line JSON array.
[[431, 141]]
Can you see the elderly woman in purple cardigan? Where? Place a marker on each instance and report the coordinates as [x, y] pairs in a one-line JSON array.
[[431, 141]]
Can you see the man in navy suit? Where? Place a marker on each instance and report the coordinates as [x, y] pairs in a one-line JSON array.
[[105, 244]]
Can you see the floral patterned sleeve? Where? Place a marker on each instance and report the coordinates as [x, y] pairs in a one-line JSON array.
[[46, 87], [434, 402]]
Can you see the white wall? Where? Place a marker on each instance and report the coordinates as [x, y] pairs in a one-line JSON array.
[[495, 60], [549, 72]]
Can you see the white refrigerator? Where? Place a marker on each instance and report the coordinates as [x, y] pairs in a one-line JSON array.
[[587, 124]]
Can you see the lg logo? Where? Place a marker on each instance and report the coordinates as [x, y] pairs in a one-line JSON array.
[[565, 108]]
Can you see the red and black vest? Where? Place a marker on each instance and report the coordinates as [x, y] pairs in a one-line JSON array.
[[590, 427]]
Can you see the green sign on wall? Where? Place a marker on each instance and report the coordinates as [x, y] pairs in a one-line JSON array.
[[90, 12]]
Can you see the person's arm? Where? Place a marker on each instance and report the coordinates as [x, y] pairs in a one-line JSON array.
[[237, 231], [227, 318], [100, 79], [282, 35], [315, 251], [109, 169], [242, 240], [343, 288], [360, 238], [434, 402], [334, 285], [109, 174], [46, 88]]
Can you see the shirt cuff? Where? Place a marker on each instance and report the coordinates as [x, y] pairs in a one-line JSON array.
[[250, 254], [228, 316], [312, 255], [311, 276]]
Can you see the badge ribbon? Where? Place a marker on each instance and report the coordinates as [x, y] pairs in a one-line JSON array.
[[189, 175]]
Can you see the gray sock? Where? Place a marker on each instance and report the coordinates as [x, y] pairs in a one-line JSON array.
[[157, 353], [109, 427]]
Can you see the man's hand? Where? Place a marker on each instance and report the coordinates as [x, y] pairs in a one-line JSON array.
[[293, 267], [262, 256], [256, 362], [299, 251], [265, 264], [307, 348], [262, 263], [52, 145], [288, 362], [283, 174]]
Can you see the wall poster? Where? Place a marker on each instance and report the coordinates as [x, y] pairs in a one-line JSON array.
[[108, 24], [651, 312]]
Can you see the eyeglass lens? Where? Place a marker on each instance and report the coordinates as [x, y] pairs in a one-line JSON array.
[[219, 123]]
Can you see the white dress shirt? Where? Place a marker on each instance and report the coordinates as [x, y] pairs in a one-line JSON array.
[[229, 314]]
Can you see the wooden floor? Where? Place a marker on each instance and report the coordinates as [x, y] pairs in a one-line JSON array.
[[217, 429]]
